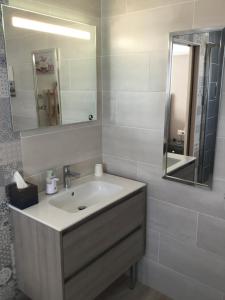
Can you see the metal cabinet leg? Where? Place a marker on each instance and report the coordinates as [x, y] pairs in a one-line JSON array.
[[133, 276]]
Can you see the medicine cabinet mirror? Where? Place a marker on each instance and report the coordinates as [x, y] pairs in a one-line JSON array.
[[51, 69], [193, 95]]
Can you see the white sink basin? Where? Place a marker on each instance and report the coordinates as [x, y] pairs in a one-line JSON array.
[[84, 196]]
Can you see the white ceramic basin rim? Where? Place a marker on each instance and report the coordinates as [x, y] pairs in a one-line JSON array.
[[84, 195]]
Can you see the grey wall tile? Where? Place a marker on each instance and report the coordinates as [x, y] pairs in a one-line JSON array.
[[120, 108], [174, 284], [85, 168], [219, 170], [44, 151], [121, 167], [133, 5], [221, 123], [133, 144], [158, 70], [211, 234], [125, 73], [111, 8], [209, 13], [173, 220], [194, 262], [90, 7], [145, 30], [152, 244], [198, 199]]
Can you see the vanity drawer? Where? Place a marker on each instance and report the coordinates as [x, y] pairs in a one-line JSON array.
[[88, 241], [93, 280]]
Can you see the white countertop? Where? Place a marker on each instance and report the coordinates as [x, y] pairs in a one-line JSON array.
[[182, 160], [59, 219]]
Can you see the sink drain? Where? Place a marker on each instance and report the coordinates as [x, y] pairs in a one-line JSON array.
[[82, 207]]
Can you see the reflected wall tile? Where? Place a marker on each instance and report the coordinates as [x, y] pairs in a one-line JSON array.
[[82, 74]]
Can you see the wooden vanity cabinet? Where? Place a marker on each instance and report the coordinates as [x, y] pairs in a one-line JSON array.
[[82, 261]]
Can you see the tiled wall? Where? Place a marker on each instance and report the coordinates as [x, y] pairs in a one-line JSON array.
[[186, 225], [79, 145]]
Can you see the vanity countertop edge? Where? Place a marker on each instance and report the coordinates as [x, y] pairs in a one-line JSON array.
[[60, 220]]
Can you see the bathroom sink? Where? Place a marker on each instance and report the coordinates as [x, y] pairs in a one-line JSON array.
[[84, 196]]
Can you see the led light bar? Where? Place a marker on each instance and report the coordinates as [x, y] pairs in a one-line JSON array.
[[50, 28]]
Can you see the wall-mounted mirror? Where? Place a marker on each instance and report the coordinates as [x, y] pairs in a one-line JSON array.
[[194, 82], [51, 69]]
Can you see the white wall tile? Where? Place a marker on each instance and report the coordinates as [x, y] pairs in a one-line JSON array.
[[43, 151], [145, 30], [158, 70], [125, 73], [174, 284], [134, 109], [110, 8], [172, 219], [133, 143], [133, 5], [219, 170], [209, 13], [152, 244], [211, 234], [205, 267], [119, 166], [194, 198]]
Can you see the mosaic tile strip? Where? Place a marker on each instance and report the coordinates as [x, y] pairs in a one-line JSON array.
[[10, 160]]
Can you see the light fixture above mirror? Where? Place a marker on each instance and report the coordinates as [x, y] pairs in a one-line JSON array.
[[50, 28]]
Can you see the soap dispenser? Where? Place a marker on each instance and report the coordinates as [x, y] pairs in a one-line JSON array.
[[51, 183]]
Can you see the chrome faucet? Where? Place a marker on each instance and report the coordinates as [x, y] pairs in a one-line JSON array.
[[67, 174]]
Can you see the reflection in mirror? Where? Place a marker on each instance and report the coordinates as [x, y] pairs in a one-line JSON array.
[[47, 87], [51, 69], [192, 109]]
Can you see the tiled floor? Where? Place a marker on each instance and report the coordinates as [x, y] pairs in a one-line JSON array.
[[120, 291]]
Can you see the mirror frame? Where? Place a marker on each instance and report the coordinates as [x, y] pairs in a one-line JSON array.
[[167, 105], [38, 129]]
